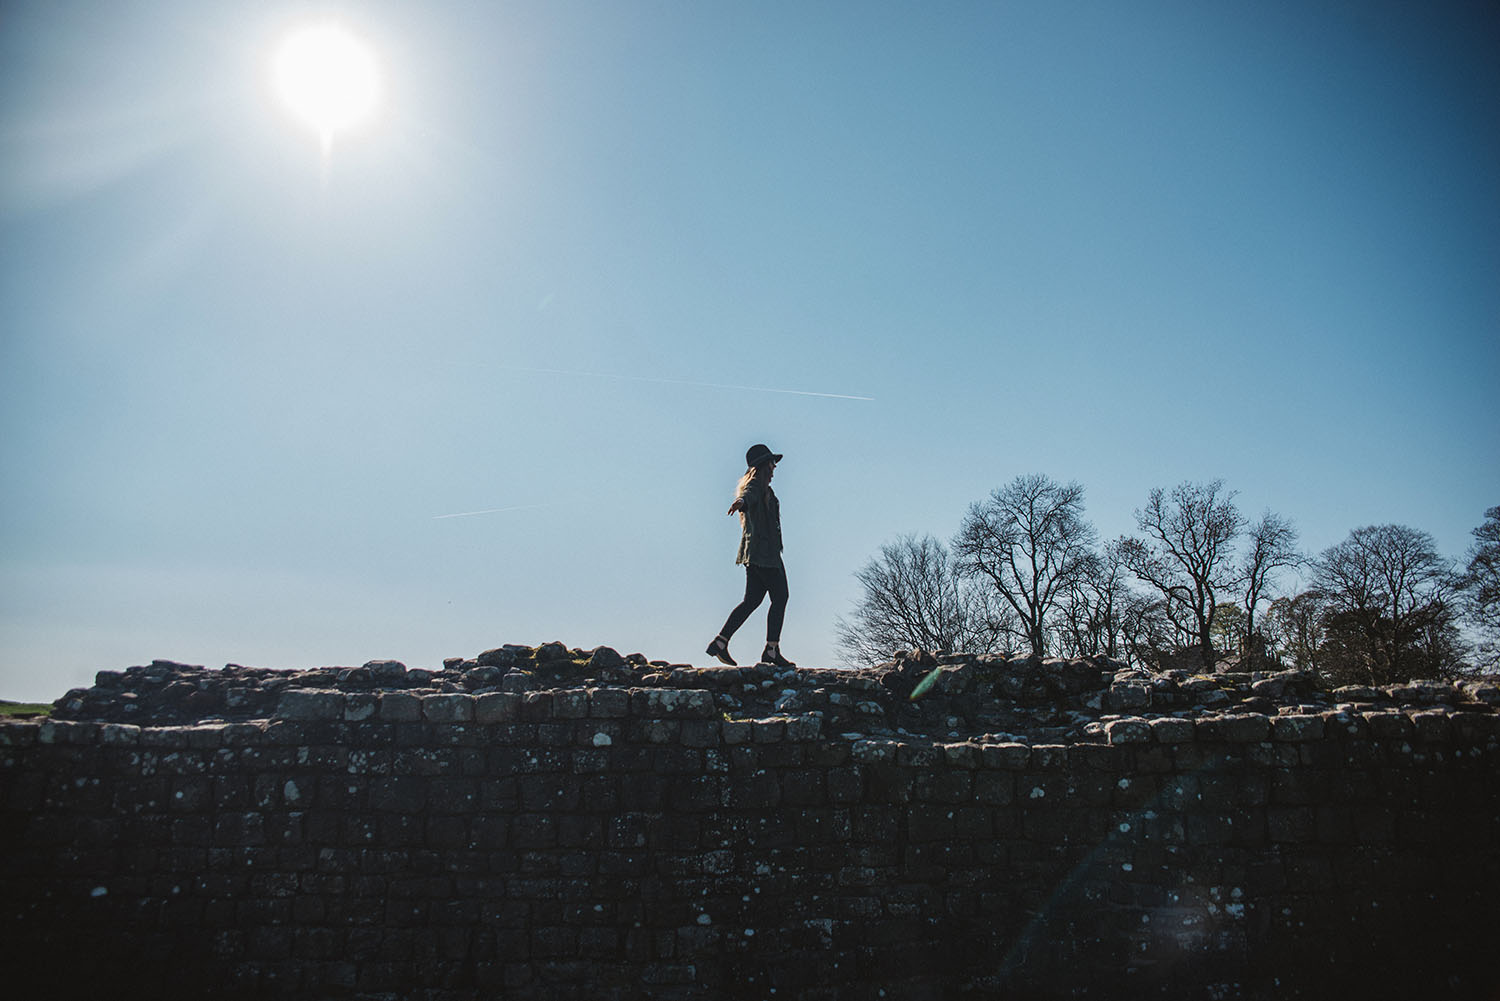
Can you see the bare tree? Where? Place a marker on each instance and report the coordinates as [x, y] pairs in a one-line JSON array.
[[1389, 604], [1029, 541], [1229, 628], [1187, 555], [1272, 547], [914, 598], [1481, 584], [1147, 634], [1295, 627], [1093, 606]]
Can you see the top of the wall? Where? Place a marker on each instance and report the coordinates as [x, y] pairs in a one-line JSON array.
[[1022, 700]]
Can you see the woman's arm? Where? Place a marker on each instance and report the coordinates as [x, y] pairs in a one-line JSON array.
[[754, 493]]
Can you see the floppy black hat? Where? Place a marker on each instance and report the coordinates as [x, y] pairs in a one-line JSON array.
[[759, 454]]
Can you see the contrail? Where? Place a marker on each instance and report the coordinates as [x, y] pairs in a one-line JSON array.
[[492, 510], [689, 382]]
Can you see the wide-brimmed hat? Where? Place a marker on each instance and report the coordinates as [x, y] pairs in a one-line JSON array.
[[759, 454]]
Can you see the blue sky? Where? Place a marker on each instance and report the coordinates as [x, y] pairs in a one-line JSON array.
[[1124, 244]]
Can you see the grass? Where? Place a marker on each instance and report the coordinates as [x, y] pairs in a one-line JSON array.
[[21, 710]]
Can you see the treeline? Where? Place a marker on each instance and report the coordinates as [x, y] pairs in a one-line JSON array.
[[1198, 587]]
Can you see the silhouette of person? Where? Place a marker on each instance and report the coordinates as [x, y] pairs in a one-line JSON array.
[[760, 553]]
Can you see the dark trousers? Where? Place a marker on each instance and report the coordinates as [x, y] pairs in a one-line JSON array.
[[759, 582]]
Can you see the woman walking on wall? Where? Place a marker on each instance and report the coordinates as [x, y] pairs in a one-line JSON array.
[[760, 553]]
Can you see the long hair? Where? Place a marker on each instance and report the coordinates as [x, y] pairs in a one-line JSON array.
[[745, 481]]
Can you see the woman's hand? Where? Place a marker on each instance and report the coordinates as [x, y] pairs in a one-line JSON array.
[[738, 505]]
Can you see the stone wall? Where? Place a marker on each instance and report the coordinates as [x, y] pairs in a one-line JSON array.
[[634, 840]]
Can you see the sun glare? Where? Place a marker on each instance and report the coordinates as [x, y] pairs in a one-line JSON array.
[[327, 78]]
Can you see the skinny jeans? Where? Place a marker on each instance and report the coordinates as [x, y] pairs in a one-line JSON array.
[[759, 582]]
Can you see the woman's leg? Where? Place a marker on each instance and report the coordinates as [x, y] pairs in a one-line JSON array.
[[777, 587], [755, 592]]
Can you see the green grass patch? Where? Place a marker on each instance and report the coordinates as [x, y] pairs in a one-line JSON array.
[[21, 710]]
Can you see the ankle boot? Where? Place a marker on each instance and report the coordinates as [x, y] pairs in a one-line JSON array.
[[720, 648], [772, 656]]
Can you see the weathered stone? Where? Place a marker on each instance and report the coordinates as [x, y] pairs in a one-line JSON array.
[[1296, 728], [608, 703], [1010, 756], [1242, 729], [1431, 726], [447, 708], [1127, 696], [1483, 691], [1169, 730], [606, 659], [672, 702], [1357, 693], [303, 704], [400, 707], [550, 652], [360, 707], [1271, 688], [496, 707], [1128, 731], [482, 677], [120, 735], [502, 657]]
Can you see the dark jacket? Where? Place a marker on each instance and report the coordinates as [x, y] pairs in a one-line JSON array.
[[760, 543]]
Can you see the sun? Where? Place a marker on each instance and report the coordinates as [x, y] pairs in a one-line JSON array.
[[327, 78]]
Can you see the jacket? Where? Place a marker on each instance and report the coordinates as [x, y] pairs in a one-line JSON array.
[[760, 542]]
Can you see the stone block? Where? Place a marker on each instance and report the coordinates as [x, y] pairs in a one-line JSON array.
[[929, 823], [360, 706], [692, 793], [767, 731], [995, 788], [572, 704], [1128, 696], [244, 734], [1170, 730], [606, 659], [114, 735], [919, 755], [943, 785], [1388, 725], [496, 707], [448, 708], [1012, 757], [537, 707], [1049, 757], [700, 733], [18, 734], [674, 703], [845, 785], [400, 707], [875, 751], [736, 731], [805, 728], [1128, 731], [310, 704], [1470, 729], [1247, 729], [609, 703], [965, 755], [1431, 726], [1296, 728]]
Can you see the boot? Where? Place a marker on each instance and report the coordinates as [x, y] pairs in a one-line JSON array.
[[720, 648], [772, 657]]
